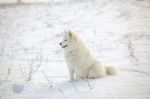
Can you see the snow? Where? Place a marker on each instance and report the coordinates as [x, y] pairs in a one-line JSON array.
[[32, 65]]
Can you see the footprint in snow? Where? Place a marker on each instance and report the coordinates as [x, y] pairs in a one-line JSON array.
[[17, 88]]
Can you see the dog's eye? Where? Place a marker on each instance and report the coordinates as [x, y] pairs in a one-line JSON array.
[[65, 40]]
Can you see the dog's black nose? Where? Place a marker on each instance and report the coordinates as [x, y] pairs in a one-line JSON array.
[[60, 43]]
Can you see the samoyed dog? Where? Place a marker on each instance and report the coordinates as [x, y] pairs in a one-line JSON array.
[[81, 63]]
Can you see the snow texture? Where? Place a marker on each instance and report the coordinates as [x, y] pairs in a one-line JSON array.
[[32, 65]]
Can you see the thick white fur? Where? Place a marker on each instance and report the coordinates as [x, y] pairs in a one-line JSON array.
[[81, 63]]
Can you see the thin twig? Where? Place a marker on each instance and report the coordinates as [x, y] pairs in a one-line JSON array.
[[49, 82], [21, 70], [130, 48], [90, 86], [30, 70], [38, 66], [60, 91]]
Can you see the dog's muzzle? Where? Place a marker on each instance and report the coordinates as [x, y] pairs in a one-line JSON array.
[[63, 46]]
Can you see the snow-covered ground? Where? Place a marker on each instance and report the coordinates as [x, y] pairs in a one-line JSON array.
[[32, 65]]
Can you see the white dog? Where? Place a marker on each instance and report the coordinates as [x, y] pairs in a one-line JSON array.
[[81, 63]]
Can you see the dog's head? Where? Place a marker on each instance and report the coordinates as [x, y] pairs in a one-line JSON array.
[[69, 38]]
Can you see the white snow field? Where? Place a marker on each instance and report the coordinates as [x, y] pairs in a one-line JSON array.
[[32, 65]]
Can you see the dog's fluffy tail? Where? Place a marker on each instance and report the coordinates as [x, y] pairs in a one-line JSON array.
[[111, 70]]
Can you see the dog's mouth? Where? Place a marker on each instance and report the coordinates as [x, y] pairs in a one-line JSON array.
[[64, 46]]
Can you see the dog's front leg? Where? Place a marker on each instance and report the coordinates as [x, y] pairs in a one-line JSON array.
[[71, 72], [79, 77]]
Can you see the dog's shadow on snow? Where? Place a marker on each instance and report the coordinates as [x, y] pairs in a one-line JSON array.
[[66, 86], [88, 84], [75, 86]]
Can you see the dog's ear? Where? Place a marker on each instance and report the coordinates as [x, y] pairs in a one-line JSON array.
[[70, 34]]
